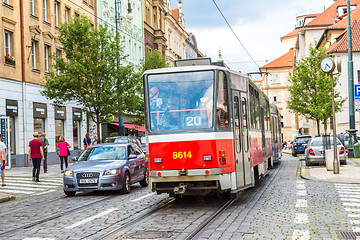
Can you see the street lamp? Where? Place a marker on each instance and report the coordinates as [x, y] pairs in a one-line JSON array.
[[118, 18], [327, 66]]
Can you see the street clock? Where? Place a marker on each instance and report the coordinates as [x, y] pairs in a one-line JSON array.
[[327, 65]]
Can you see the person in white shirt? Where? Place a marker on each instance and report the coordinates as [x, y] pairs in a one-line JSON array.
[[3, 156]]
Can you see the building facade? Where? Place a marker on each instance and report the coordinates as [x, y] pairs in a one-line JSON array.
[[29, 29], [130, 30]]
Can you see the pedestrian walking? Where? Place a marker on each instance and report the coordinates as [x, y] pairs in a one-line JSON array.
[[95, 140], [36, 154], [45, 145], [87, 140], [62, 151], [3, 162]]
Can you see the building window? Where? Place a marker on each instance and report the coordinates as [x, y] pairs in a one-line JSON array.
[[67, 12], [56, 10], [59, 129], [58, 56], [276, 96], [39, 125], [90, 2], [276, 78], [6, 2], [34, 53], [46, 10], [33, 7], [77, 15], [46, 57], [7, 42]]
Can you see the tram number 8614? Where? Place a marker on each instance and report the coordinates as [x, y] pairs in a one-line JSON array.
[[181, 155]]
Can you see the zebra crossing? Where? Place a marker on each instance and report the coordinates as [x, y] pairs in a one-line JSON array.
[[350, 197], [25, 186]]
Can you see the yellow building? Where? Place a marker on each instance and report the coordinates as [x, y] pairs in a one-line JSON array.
[[29, 31], [276, 85]]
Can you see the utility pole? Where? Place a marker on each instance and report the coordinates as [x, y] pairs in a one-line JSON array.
[[118, 18], [352, 129]]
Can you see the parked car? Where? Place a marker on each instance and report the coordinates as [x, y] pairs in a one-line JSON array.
[[108, 166], [315, 152], [143, 143], [124, 139], [299, 144], [344, 139]]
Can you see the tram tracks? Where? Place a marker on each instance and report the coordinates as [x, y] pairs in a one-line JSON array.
[[54, 216]]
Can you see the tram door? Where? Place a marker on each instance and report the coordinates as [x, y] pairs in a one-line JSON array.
[[241, 140], [245, 136], [239, 160]]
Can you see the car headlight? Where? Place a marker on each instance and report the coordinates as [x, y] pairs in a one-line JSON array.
[[68, 173], [112, 172]]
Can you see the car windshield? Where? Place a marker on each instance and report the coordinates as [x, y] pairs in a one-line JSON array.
[[181, 101], [302, 139], [320, 142], [103, 153]]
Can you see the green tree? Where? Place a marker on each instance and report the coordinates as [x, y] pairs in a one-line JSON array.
[[90, 73], [311, 89]]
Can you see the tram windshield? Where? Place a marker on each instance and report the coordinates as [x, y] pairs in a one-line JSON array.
[[181, 101]]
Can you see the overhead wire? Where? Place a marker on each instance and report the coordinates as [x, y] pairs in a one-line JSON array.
[[235, 34]]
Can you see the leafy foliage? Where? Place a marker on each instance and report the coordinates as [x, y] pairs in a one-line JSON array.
[[90, 73], [311, 88]]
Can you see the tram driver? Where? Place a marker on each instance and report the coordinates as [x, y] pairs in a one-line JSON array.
[[160, 117]]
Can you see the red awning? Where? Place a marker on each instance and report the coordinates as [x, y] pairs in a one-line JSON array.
[[131, 126]]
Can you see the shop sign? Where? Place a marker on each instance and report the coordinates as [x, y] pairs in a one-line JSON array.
[[60, 113], [11, 108], [40, 110]]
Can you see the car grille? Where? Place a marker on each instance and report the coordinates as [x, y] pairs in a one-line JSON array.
[[88, 175]]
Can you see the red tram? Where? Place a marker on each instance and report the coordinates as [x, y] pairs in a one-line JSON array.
[[208, 128]]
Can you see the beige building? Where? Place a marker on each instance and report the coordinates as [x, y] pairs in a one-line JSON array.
[[175, 33], [29, 29], [276, 85]]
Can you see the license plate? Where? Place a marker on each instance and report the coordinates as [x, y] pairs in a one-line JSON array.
[[90, 180]]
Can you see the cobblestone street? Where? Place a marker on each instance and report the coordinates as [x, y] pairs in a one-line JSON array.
[[281, 206]]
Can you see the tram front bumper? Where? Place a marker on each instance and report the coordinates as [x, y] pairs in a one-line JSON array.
[[185, 172]]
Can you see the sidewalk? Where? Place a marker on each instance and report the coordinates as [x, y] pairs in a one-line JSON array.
[[349, 173], [53, 172]]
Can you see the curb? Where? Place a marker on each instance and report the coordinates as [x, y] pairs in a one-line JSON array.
[[305, 174], [5, 197]]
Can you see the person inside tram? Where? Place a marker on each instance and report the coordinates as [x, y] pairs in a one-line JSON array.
[[160, 117]]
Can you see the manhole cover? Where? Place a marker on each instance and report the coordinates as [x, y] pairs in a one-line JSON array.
[[348, 235], [148, 235]]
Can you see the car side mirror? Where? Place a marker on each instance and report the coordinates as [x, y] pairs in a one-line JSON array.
[[76, 158], [132, 156]]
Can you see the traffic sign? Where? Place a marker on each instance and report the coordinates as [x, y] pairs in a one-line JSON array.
[[356, 91]]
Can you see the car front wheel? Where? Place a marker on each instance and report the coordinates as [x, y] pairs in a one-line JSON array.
[[127, 184], [145, 181]]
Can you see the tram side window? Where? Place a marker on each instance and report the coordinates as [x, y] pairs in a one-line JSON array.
[[252, 111], [245, 125], [222, 116], [257, 112]]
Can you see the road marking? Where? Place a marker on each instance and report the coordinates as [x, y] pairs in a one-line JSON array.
[[351, 204], [354, 215], [348, 192], [16, 191], [38, 238], [301, 203], [41, 193], [350, 199], [56, 180], [301, 218], [301, 193], [301, 234], [352, 209], [30, 180], [10, 187], [300, 186], [142, 197], [349, 195], [355, 222], [91, 218], [30, 185], [300, 181]]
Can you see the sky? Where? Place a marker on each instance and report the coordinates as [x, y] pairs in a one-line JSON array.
[[259, 25]]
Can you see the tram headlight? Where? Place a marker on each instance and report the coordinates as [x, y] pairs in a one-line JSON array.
[[207, 158], [157, 160]]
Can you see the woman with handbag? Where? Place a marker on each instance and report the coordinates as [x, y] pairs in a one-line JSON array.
[[62, 150], [87, 140]]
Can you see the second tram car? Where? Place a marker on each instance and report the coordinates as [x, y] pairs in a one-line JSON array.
[[208, 128]]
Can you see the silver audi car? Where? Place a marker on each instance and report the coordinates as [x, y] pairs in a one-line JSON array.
[[109, 166]]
